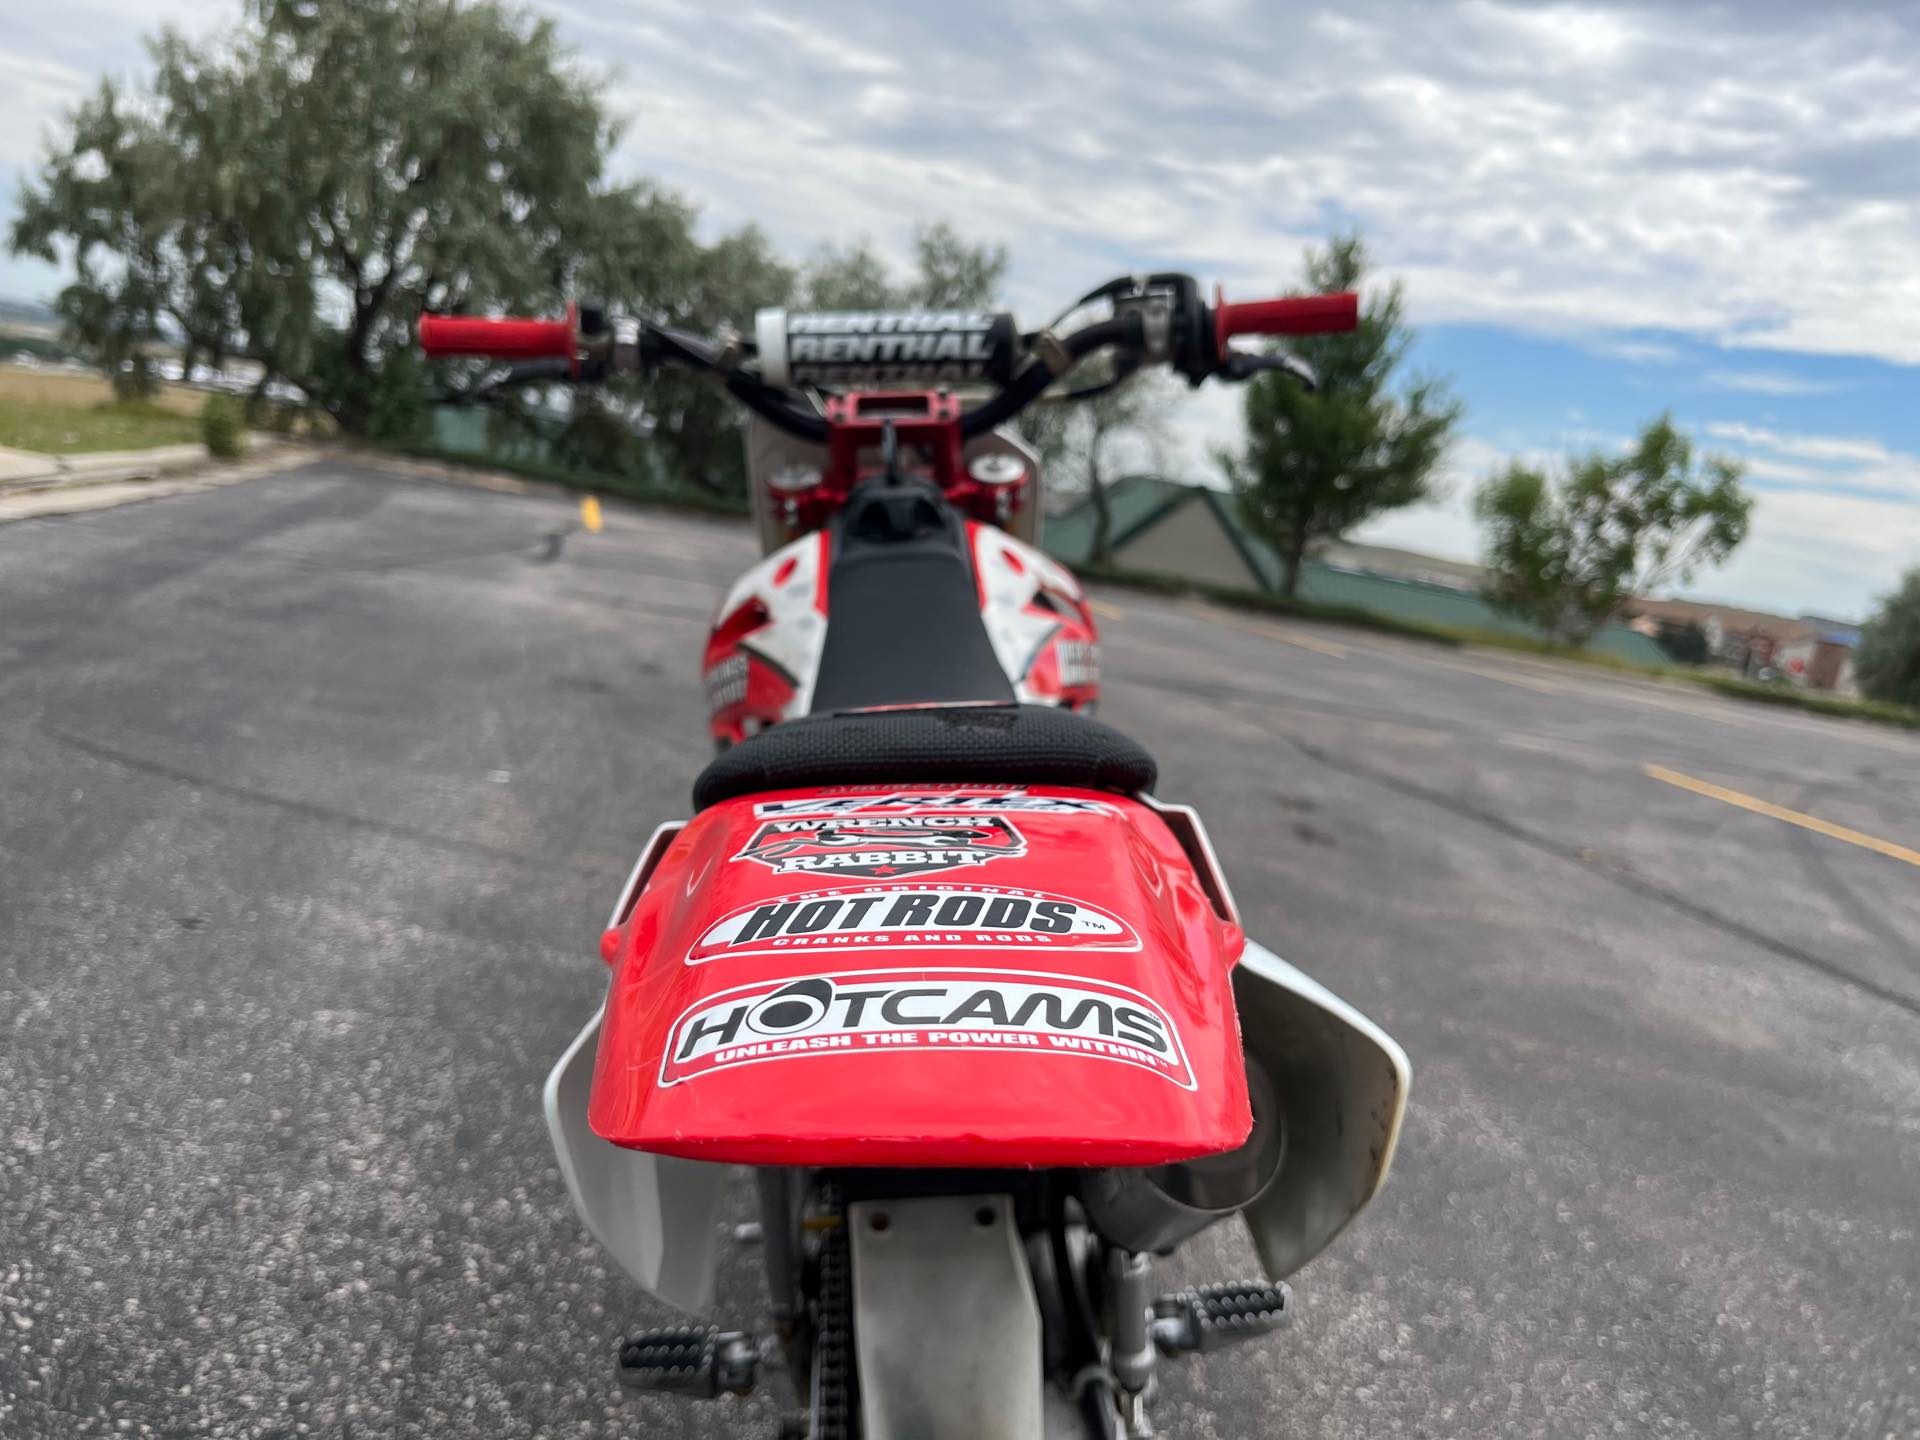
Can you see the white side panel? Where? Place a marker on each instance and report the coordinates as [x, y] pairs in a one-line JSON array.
[[1342, 1083], [796, 631], [946, 1326], [655, 1214], [1017, 631]]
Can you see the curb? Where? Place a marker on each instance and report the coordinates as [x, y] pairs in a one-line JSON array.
[[104, 469], [107, 487]]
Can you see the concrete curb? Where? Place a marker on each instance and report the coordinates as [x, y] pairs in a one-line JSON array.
[[100, 467], [103, 487]]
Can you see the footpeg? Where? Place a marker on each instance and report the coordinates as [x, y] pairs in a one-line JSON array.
[[698, 1361], [1196, 1321]]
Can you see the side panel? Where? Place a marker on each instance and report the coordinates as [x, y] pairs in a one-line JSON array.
[[1037, 619], [763, 651], [1342, 1085], [653, 1213], [965, 976]]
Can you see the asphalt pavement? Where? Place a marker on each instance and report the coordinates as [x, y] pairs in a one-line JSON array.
[[315, 790]]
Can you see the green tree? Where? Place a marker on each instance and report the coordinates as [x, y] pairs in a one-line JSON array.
[[1318, 463], [850, 278], [1077, 440], [950, 273], [694, 422], [1887, 662], [1567, 554], [297, 191]]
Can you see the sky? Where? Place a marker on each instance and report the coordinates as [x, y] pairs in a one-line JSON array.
[[1598, 212]]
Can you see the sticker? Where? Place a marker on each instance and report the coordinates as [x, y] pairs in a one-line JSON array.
[[1079, 663], [882, 845], [895, 801], [910, 917], [872, 1012], [727, 683]]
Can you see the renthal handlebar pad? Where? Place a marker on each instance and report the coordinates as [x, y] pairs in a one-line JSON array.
[[882, 347]]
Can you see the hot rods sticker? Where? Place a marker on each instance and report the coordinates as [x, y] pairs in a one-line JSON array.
[[832, 846], [909, 917], [870, 1012]]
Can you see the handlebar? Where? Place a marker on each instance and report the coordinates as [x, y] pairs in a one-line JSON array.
[[450, 336], [1294, 315], [1182, 331]]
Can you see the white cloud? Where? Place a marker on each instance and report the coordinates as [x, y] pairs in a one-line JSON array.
[[830, 48], [1816, 552], [1566, 168], [1637, 352], [1840, 449], [1770, 382], [1740, 173], [1829, 468]]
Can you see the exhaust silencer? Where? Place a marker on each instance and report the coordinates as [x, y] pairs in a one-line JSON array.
[[1157, 1208]]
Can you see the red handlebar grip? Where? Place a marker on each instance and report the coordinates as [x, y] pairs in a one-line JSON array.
[[445, 335], [1296, 315]]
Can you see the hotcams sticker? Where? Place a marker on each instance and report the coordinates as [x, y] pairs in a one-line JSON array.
[[872, 1012], [914, 917], [881, 845]]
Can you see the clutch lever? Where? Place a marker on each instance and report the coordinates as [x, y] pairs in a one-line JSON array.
[[525, 372], [1244, 365]]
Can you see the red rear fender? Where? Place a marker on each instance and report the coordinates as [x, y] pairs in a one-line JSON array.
[[959, 976]]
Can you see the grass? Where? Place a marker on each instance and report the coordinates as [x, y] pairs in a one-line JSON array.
[[1838, 706], [1821, 704], [60, 414], [626, 487]]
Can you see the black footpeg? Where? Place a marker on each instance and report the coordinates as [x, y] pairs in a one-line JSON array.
[[698, 1361], [1195, 1321]]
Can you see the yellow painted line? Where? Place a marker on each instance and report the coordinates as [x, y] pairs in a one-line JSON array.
[[1272, 632], [1780, 812], [1308, 642], [1106, 611], [590, 513], [1505, 677]]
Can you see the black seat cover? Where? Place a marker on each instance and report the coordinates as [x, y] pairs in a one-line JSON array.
[[964, 744], [903, 609]]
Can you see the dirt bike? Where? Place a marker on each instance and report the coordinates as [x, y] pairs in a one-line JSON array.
[[974, 1007]]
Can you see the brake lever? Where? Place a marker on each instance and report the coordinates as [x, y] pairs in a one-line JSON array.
[[1244, 365], [524, 372]]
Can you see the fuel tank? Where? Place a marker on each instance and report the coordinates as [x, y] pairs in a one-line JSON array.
[[936, 976]]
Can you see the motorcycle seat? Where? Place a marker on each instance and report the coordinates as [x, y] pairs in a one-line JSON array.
[[942, 744]]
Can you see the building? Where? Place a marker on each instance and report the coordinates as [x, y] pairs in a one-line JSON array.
[[1808, 650], [1194, 533]]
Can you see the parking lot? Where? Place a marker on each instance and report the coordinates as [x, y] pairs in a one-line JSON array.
[[316, 790]]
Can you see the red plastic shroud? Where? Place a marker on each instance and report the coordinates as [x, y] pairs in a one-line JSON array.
[[940, 976]]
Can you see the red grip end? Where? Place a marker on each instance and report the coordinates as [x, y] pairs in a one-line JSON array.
[[449, 335], [1295, 315]]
